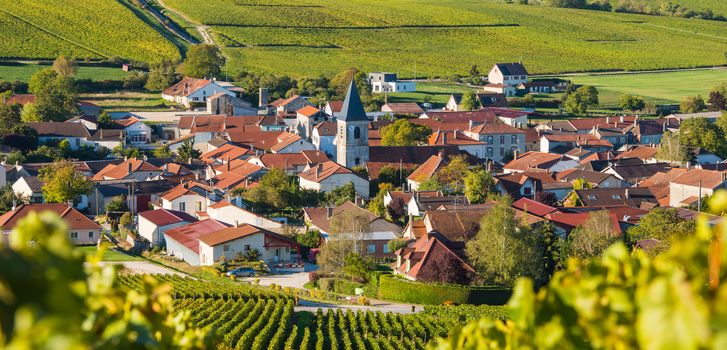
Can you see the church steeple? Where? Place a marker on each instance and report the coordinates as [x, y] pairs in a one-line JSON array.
[[352, 109]]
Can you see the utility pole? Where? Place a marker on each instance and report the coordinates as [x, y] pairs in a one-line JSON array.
[[699, 200]]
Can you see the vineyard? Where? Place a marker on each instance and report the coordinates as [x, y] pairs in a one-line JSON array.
[[435, 38], [245, 317], [89, 29]]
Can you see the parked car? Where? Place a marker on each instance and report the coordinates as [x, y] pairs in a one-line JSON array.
[[242, 272]]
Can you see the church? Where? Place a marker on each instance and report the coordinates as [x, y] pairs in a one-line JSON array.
[[352, 135]]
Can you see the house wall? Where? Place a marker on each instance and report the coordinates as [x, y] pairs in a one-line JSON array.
[[494, 149], [679, 192], [520, 122], [138, 133], [209, 255], [154, 233], [324, 144], [495, 76], [338, 180], [180, 251], [192, 204], [233, 215], [85, 236], [21, 187], [297, 147]]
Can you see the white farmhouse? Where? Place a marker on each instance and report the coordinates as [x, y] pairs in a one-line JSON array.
[[232, 241], [191, 91], [153, 223], [326, 177], [388, 82]]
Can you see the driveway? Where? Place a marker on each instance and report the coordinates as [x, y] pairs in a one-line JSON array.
[[143, 267], [292, 280], [376, 305]]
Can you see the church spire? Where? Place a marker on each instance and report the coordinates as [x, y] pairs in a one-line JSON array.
[[352, 109]]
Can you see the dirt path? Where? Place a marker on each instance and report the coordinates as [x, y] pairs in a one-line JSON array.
[[201, 28], [143, 267]]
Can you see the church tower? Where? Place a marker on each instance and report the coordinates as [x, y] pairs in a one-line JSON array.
[[352, 135]]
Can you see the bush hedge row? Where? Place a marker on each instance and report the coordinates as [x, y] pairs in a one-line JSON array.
[[398, 289], [338, 285]]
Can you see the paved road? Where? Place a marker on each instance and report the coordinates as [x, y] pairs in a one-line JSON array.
[[142, 267], [376, 305]]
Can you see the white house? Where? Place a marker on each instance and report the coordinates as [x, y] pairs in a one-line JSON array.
[[29, 187], [153, 223], [137, 132], [235, 240], [191, 91], [500, 138], [76, 134], [189, 197], [81, 230], [182, 242], [510, 74], [291, 143], [323, 136], [388, 82], [326, 177], [230, 214], [684, 190]]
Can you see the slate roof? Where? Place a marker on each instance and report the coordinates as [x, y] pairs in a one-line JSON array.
[[514, 68], [352, 109], [604, 197], [639, 171]]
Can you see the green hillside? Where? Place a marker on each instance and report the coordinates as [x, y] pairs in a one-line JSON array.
[[439, 38], [93, 29], [718, 7]]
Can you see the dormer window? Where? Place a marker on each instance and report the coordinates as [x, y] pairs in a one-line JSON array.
[[616, 196], [592, 197]]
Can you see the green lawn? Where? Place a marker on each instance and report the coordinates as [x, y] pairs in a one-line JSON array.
[[658, 88], [23, 72], [110, 254], [438, 92], [128, 101]]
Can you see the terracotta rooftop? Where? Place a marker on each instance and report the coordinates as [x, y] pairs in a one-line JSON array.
[[322, 171], [73, 218], [124, 169], [533, 207], [163, 217], [533, 160], [428, 169], [186, 87], [308, 111], [641, 152], [188, 235], [235, 232], [707, 178], [402, 108]]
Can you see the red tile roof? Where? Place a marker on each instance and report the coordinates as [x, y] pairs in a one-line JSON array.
[[124, 169], [163, 217], [186, 87], [73, 218], [533, 207], [695, 177], [497, 127], [21, 99], [224, 153], [428, 169], [452, 138], [322, 171], [533, 160], [232, 233], [308, 111], [188, 235], [402, 108]]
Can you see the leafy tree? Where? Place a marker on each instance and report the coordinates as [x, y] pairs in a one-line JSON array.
[[592, 237], [61, 182], [51, 300], [126, 152], [670, 149], [581, 100], [631, 103], [187, 152], [203, 61], [491, 251], [404, 133], [395, 176], [135, 80], [469, 101], [163, 152], [9, 117], [552, 247], [348, 231], [661, 224], [395, 209], [547, 198], [692, 104], [273, 191], [104, 120], [698, 132], [453, 174], [8, 199], [125, 220], [431, 184], [342, 194], [64, 67], [361, 171], [30, 113], [717, 101], [376, 204], [55, 95], [44, 154], [310, 239], [117, 205], [477, 185], [161, 76]]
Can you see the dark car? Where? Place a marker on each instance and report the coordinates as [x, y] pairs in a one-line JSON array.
[[242, 272]]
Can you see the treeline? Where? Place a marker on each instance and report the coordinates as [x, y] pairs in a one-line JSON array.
[[663, 8]]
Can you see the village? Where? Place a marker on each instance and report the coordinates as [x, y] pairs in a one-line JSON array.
[[288, 187]]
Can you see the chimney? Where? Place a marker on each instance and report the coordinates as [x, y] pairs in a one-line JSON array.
[[444, 138], [70, 203], [263, 97], [621, 119], [470, 129], [515, 154], [317, 168], [626, 193], [724, 176], [454, 136], [166, 168], [237, 223], [329, 212], [130, 167], [608, 120], [228, 163], [440, 154]]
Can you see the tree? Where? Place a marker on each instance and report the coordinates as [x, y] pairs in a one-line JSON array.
[[52, 299], [592, 237], [503, 250], [661, 224], [273, 190], [348, 231], [30, 113], [698, 132], [64, 67], [404, 133], [55, 95], [670, 149], [396, 176], [692, 104], [117, 205], [342, 194], [10, 199], [187, 152], [469, 101], [9, 117], [581, 100], [163, 152], [104, 120], [376, 204], [430, 184], [477, 185], [717, 101], [203, 61], [61, 182], [161, 76], [395, 209], [631, 103], [453, 174], [547, 198]]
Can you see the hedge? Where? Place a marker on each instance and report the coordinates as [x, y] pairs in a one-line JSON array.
[[338, 285], [398, 289]]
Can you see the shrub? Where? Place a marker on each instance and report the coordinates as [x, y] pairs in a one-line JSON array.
[[339, 285], [397, 289]]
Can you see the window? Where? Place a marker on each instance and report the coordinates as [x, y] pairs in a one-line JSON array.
[[356, 133], [358, 161], [592, 197], [199, 206], [182, 206], [527, 191], [490, 139], [90, 235], [371, 248], [489, 152], [74, 235], [277, 252], [226, 248], [616, 196], [513, 139], [502, 139], [386, 248]]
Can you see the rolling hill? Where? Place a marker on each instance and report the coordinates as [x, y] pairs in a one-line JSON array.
[[88, 29], [440, 38]]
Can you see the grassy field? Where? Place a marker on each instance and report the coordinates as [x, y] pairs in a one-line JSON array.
[[437, 92], [93, 29], [658, 88], [110, 254], [23, 72], [439, 38], [128, 101]]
